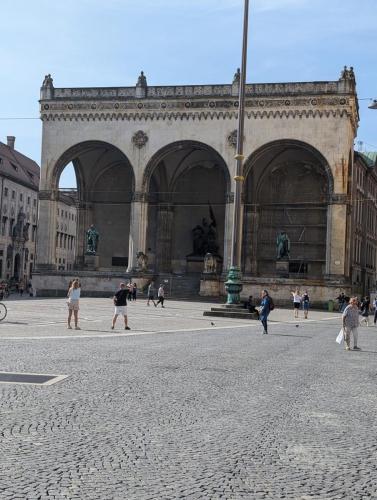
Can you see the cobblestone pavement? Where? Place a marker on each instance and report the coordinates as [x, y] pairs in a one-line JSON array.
[[182, 409]]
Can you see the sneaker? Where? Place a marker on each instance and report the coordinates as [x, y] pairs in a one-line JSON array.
[[356, 348], [127, 328], [265, 332], [69, 327], [77, 328], [348, 348], [112, 328]]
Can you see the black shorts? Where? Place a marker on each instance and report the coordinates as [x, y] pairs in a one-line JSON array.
[[296, 305], [150, 297]]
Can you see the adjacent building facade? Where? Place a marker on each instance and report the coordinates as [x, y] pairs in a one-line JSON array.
[[155, 167], [19, 177]]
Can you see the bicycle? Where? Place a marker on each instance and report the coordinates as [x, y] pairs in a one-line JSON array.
[[3, 311]]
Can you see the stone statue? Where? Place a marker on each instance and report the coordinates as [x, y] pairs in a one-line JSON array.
[[237, 76], [283, 245], [142, 261], [48, 81], [210, 264], [204, 236], [142, 80], [92, 237]]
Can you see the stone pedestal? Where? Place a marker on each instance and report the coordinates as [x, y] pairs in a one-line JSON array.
[[91, 262], [194, 264], [209, 285], [282, 268]]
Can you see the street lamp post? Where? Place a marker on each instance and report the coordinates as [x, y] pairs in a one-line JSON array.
[[373, 105], [233, 284]]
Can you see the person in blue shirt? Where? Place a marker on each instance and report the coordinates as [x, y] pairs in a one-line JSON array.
[[264, 311]]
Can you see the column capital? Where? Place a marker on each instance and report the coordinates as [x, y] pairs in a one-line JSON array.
[[229, 197], [338, 199], [139, 196]]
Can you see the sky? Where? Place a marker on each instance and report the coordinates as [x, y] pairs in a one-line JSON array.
[[91, 43]]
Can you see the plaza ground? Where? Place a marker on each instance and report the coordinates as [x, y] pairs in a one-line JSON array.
[[182, 408]]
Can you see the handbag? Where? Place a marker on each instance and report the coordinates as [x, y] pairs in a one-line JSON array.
[[340, 338]]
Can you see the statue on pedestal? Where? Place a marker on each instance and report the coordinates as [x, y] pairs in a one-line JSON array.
[[204, 237], [142, 261], [92, 237], [283, 245], [210, 264]]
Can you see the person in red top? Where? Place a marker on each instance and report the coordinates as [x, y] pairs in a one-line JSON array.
[[120, 303]]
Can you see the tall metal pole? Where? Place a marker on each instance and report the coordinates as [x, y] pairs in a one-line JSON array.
[[234, 284]]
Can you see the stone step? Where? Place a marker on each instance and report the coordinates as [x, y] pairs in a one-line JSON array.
[[226, 313]]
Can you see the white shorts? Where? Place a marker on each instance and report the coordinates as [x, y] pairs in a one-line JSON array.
[[121, 310]]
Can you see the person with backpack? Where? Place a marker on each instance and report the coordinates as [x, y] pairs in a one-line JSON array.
[[305, 303], [266, 306]]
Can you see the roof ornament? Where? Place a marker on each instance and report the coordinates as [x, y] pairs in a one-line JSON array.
[[237, 76], [48, 81], [347, 74], [142, 80]]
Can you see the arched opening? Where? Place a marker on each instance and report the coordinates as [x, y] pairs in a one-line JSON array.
[[187, 184], [287, 190], [95, 181]]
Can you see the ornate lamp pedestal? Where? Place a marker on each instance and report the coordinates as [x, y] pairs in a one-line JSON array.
[[233, 286]]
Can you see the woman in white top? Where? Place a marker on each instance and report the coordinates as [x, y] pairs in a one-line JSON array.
[[296, 301], [73, 303]]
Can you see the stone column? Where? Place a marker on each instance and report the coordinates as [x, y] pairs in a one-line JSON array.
[[250, 245], [228, 234], [46, 230], [84, 219], [165, 217], [138, 228], [336, 236]]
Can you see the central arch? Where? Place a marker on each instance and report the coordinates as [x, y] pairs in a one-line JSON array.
[[186, 183], [105, 183]]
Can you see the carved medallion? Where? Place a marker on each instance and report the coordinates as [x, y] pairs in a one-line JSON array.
[[140, 139], [232, 139]]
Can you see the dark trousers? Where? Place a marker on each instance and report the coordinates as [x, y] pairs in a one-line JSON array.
[[160, 300], [375, 316], [264, 323]]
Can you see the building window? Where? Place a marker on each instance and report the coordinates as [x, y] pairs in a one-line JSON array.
[[13, 195], [21, 197], [11, 223], [5, 191], [4, 226], [34, 202], [28, 200]]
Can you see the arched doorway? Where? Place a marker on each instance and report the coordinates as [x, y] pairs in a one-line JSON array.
[[103, 183], [186, 184], [287, 189]]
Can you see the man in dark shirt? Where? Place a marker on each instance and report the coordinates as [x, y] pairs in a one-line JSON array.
[[120, 302]]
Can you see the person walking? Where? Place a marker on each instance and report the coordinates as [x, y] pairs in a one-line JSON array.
[[134, 291], [266, 306], [73, 295], [375, 310], [296, 301], [365, 309], [305, 303], [161, 296], [130, 288], [350, 320], [151, 292], [120, 303]]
